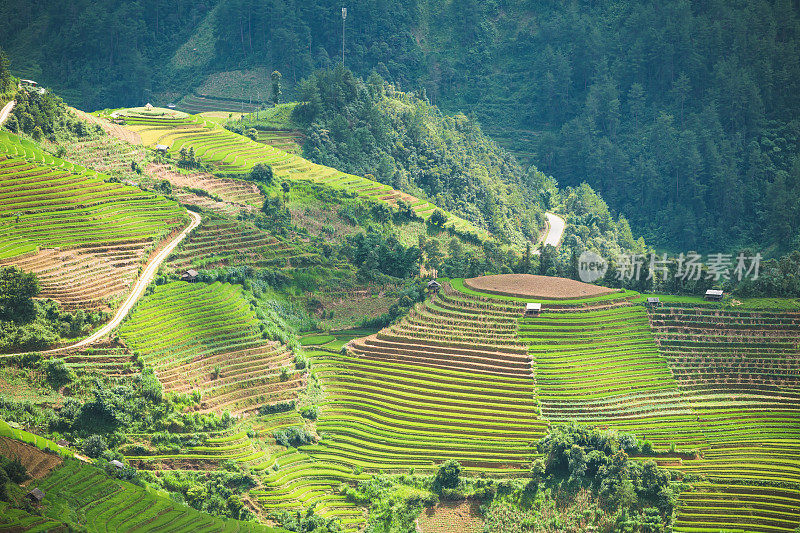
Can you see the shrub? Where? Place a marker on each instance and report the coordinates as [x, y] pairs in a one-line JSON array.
[[448, 474], [58, 373], [647, 447], [94, 446], [438, 219], [310, 412], [292, 436], [15, 469], [262, 173], [280, 407]]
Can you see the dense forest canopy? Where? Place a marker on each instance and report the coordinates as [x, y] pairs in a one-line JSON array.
[[372, 129], [682, 114]]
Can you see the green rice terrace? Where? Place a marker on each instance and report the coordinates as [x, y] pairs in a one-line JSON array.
[[206, 339], [84, 237], [231, 152], [191, 349]]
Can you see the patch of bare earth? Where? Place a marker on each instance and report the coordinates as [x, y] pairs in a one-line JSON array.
[[529, 285], [237, 193], [85, 277], [37, 462], [114, 129], [451, 517]]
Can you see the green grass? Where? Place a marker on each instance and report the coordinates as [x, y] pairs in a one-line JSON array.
[[316, 340]]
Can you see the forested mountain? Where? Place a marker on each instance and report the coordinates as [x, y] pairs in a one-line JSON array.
[[369, 128], [683, 115]]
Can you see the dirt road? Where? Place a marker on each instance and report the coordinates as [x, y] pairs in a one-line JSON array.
[[6, 111], [141, 284]]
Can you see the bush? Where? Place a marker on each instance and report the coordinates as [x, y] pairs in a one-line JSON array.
[[310, 412], [448, 474], [15, 470], [94, 446], [292, 436], [262, 173], [58, 373], [280, 407], [438, 219]]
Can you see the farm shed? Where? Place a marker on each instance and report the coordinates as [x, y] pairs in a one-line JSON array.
[[162, 148], [35, 496], [149, 106], [653, 301], [62, 443], [434, 286], [117, 464], [533, 309], [714, 295], [189, 276]]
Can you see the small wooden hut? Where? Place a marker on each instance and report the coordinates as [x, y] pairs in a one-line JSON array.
[[533, 309], [714, 295]]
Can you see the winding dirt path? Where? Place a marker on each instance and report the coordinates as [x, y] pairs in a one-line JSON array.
[[141, 284], [6, 111]]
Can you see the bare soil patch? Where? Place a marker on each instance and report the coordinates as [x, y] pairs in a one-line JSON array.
[[37, 462], [449, 517], [529, 285], [114, 129]]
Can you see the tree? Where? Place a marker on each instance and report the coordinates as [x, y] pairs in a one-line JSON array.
[[276, 78], [448, 474], [438, 218], [17, 289], [5, 73], [262, 173], [94, 446]]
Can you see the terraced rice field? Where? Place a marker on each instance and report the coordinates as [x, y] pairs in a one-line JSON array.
[[85, 238], [88, 276], [103, 358], [461, 377], [740, 371], [292, 479], [197, 103], [106, 504], [42, 206], [241, 194], [206, 456], [109, 154], [289, 141], [235, 153], [601, 365], [19, 520], [36, 462], [725, 383], [449, 381], [220, 241], [205, 338]]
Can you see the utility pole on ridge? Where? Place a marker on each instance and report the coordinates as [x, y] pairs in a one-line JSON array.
[[344, 17]]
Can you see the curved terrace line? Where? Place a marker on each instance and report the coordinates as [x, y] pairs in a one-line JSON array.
[[139, 287]]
